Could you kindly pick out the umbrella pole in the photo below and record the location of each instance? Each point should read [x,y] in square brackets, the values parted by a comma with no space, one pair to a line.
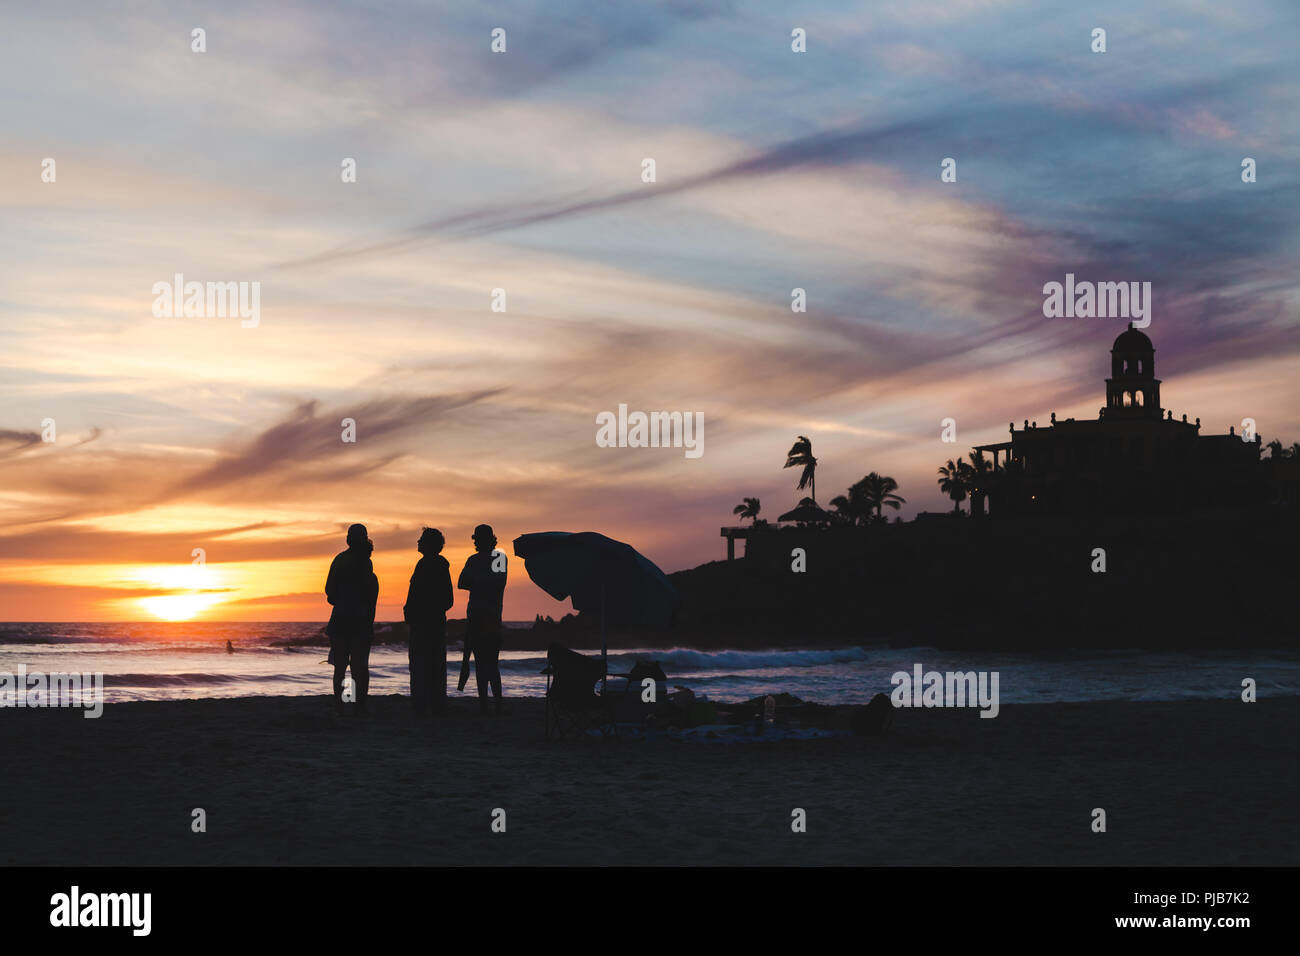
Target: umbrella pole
[604,652]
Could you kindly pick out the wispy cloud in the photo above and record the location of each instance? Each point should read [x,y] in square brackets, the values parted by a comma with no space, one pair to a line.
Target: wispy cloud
[520,171]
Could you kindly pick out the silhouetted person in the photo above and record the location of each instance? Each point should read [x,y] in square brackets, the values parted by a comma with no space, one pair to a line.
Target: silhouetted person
[486,586]
[427,601]
[230,648]
[353,589]
[874,719]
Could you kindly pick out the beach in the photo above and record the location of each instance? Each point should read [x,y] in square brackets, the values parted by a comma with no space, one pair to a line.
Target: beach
[282,781]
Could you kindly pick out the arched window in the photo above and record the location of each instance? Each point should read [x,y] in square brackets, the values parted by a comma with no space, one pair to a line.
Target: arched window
[1139,366]
[1124,368]
[1128,399]
[1139,398]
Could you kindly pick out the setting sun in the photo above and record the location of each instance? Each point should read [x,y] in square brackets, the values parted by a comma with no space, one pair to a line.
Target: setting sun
[178,607]
[193,590]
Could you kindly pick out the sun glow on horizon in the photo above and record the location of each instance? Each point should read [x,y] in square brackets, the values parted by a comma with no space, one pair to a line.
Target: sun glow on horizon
[193,586]
[178,607]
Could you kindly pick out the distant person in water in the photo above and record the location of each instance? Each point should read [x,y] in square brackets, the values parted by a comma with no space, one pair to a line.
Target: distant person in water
[484,577]
[230,648]
[353,589]
[428,599]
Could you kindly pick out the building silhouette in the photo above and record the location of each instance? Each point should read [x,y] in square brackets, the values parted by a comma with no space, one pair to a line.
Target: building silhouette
[1133,458]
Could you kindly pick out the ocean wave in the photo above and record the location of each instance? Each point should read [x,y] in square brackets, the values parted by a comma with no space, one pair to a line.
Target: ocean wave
[201,679]
[689,659]
[23,637]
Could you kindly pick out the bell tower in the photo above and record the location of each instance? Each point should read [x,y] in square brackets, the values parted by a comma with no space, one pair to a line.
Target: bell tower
[1133,391]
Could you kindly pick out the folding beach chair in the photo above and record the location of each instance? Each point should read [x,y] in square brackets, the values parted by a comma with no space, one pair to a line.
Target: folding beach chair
[572,703]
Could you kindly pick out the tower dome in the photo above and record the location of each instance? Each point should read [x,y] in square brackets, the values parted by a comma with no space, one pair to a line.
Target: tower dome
[1132,391]
[1132,340]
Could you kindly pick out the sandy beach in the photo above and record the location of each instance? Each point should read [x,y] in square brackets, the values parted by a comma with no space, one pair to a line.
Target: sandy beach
[283,782]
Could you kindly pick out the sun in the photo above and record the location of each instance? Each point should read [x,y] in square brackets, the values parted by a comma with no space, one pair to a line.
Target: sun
[189,591]
[178,607]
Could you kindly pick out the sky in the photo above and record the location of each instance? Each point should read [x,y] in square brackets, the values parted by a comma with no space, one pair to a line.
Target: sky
[522,171]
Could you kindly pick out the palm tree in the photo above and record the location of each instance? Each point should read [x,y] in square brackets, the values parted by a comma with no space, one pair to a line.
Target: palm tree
[867,498]
[847,510]
[748,508]
[953,482]
[1276,450]
[800,455]
[977,479]
[877,492]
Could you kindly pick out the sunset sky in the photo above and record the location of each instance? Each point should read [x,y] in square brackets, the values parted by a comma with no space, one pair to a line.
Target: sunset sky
[522,171]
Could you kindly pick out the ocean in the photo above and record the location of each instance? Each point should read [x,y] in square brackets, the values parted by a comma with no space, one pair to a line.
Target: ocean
[168,661]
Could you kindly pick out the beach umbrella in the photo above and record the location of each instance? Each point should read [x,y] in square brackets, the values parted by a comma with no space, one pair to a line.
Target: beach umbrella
[600,575]
[806,510]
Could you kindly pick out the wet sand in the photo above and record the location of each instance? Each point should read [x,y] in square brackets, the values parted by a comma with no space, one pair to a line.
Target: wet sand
[283,781]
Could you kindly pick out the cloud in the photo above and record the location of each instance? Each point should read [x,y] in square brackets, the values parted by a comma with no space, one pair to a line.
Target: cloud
[776,171]
[16,442]
[827,148]
[70,542]
[308,443]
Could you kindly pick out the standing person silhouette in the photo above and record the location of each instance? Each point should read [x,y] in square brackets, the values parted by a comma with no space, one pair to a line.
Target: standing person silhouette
[484,577]
[353,589]
[428,599]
